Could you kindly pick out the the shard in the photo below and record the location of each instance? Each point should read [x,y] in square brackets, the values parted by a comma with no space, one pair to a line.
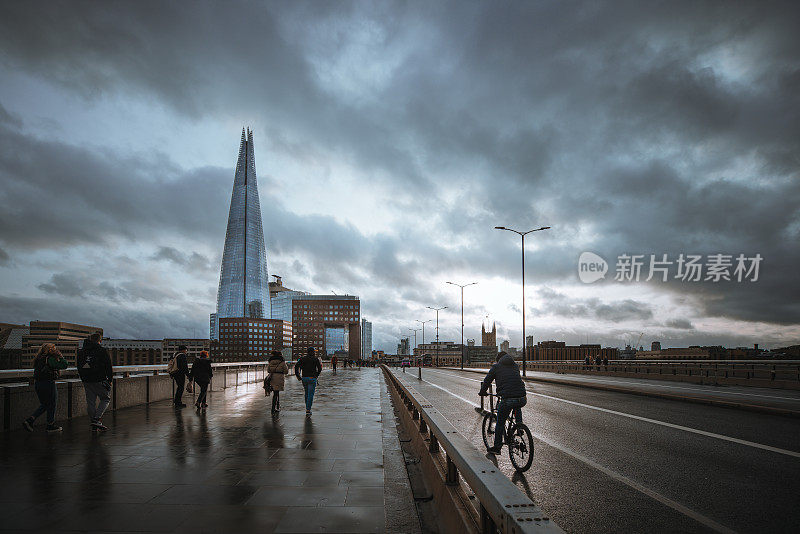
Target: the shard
[243,280]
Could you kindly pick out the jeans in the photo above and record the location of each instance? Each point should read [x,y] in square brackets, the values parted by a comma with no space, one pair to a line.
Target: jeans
[48,396]
[94,391]
[309,386]
[201,396]
[504,408]
[180,383]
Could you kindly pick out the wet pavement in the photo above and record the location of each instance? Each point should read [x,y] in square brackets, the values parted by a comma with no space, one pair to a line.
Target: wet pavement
[233,468]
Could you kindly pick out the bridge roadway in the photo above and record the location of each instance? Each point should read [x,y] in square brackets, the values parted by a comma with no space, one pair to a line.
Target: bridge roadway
[234,468]
[614,462]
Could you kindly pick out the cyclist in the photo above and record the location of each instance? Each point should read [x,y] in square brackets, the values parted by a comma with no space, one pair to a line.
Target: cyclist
[510,389]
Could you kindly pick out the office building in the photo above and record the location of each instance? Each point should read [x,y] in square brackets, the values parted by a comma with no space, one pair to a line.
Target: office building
[281,303]
[480,354]
[403,347]
[441,353]
[11,345]
[133,351]
[366,339]
[243,281]
[559,350]
[169,347]
[246,339]
[326,322]
[67,337]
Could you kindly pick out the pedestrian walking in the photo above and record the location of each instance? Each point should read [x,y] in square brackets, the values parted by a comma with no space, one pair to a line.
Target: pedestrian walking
[46,365]
[94,368]
[307,369]
[277,370]
[201,374]
[333,363]
[178,368]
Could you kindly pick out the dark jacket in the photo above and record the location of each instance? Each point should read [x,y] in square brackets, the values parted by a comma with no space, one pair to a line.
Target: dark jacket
[506,373]
[201,370]
[183,366]
[309,366]
[94,363]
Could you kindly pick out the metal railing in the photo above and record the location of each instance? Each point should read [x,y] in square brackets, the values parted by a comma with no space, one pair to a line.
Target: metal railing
[502,506]
[122,371]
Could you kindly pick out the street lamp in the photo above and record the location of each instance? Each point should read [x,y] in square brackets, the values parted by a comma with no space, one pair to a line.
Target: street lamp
[415,330]
[423,328]
[462,317]
[437,329]
[523,234]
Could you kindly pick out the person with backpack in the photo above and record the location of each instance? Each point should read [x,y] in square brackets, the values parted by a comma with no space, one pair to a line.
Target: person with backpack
[94,368]
[307,369]
[275,382]
[178,369]
[46,364]
[201,375]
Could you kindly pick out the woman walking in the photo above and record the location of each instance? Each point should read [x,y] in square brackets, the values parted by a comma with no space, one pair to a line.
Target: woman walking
[277,370]
[201,374]
[46,365]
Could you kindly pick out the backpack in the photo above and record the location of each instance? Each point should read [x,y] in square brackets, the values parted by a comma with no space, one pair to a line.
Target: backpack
[88,365]
[42,370]
[172,366]
[268,384]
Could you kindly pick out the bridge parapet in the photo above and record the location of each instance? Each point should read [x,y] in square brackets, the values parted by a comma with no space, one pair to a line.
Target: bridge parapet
[447,457]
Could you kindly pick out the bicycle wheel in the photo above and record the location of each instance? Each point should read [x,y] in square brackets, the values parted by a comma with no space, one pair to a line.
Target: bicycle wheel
[520,447]
[488,427]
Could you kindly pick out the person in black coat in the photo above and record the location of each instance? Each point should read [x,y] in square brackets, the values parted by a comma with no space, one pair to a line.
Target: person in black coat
[307,369]
[512,393]
[180,374]
[201,374]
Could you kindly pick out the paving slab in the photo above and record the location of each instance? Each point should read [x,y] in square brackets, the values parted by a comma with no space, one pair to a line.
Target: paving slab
[231,468]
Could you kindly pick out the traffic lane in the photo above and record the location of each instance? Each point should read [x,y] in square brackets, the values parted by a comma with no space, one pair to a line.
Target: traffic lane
[731,483]
[578,498]
[773,430]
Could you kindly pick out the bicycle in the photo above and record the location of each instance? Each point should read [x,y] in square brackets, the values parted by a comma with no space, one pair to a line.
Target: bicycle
[517,435]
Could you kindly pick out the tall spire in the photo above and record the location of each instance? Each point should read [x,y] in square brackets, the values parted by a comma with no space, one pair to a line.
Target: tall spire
[243,281]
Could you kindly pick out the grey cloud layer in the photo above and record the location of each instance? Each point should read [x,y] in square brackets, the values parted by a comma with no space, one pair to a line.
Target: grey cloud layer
[657,128]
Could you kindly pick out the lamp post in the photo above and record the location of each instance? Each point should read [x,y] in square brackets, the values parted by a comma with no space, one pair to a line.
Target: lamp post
[423,328]
[462,286]
[415,330]
[523,234]
[437,329]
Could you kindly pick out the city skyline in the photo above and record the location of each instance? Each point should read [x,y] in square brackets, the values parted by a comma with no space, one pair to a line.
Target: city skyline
[393,138]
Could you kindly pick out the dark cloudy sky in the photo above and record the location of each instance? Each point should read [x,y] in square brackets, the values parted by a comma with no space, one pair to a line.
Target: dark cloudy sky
[390,139]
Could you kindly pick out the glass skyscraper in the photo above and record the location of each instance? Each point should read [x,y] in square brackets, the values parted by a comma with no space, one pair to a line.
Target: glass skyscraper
[243,280]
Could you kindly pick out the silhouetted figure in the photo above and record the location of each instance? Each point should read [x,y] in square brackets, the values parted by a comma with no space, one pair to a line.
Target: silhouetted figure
[46,365]
[512,393]
[201,375]
[179,370]
[94,368]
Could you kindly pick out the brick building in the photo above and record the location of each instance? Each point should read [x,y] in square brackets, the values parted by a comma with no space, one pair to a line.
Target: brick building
[133,351]
[67,337]
[246,339]
[559,350]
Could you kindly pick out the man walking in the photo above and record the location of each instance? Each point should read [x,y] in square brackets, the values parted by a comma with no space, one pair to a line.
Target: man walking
[307,369]
[512,393]
[333,363]
[179,369]
[94,368]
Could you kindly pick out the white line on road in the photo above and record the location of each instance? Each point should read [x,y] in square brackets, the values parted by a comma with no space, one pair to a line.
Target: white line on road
[655,421]
[666,501]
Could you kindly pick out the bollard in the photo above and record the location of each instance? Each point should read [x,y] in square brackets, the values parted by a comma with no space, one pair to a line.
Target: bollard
[452,473]
[434,444]
[419,372]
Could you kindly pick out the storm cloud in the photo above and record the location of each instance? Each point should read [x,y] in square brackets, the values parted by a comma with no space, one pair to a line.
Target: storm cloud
[628,128]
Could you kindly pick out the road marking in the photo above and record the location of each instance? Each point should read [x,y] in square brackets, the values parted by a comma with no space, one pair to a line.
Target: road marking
[656,422]
[666,501]
[613,474]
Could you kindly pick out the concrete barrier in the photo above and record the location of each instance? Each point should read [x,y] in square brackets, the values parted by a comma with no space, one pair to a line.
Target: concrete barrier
[19,400]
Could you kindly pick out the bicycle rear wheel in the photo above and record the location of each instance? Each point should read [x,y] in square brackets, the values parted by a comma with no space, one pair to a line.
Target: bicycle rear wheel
[489,427]
[520,447]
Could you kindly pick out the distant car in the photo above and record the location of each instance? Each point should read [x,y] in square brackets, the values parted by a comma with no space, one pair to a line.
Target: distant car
[405,363]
